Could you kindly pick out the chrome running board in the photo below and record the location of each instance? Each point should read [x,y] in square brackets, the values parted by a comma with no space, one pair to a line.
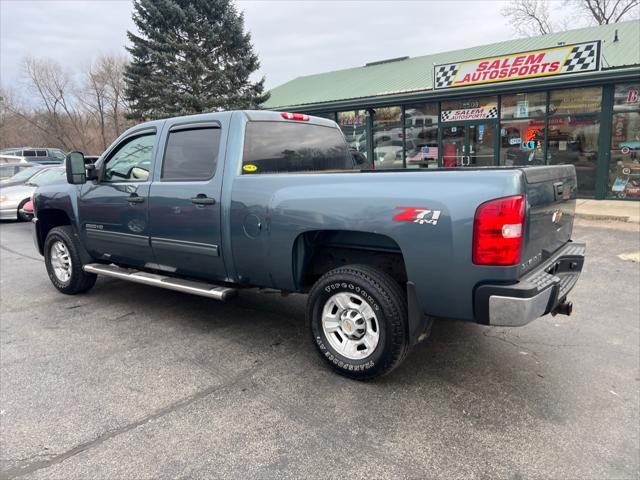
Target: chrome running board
[171,283]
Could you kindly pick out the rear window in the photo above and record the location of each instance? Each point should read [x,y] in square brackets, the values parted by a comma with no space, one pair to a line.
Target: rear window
[191,154]
[287,147]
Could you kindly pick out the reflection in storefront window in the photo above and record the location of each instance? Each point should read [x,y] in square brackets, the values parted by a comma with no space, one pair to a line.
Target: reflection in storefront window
[388,141]
[522,142]
[354,127]
[421,135]
[575,100]
[523,105]
[624,164]
[626,97]
[574,140]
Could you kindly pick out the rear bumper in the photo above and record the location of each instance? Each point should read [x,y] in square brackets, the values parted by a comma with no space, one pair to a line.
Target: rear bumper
[536,294]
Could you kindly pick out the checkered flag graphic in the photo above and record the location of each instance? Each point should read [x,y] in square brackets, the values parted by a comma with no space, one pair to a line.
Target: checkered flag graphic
[581,59]
[445,75]
[492,112]
[445,115]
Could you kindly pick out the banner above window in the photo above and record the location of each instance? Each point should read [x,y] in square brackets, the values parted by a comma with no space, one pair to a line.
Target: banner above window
[562,60]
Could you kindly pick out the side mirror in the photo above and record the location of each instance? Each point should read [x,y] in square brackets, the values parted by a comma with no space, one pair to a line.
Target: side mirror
[76,170]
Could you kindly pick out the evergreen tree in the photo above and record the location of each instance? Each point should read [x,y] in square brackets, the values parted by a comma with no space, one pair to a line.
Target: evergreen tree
[191,56]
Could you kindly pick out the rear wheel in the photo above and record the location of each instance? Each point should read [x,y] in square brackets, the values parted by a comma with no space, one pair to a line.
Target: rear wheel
[64,266]
[358,319]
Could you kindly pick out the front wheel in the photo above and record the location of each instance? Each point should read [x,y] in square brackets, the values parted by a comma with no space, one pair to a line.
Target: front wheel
[21,215]
[358,318]
[63,262]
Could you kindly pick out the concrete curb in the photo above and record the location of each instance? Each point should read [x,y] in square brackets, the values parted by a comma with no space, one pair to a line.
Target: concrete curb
[604,218]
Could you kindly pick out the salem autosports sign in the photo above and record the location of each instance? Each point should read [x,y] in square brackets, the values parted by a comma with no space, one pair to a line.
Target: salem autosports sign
[561,60]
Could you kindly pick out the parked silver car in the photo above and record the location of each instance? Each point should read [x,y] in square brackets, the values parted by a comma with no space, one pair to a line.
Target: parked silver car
[21,175]
[13,198]
[8,170]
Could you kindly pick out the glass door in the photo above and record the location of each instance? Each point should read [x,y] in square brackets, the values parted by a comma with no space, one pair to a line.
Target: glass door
[468,145]
[480,145]
[454,149]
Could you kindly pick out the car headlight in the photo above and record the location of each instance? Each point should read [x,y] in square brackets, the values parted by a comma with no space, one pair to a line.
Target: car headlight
[3,198]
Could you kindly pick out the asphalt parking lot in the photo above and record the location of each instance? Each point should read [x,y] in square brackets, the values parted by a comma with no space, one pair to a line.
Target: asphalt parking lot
[129,381]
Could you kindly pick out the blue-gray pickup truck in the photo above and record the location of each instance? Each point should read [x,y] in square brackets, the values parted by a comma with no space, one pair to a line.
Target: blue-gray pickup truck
[213,203]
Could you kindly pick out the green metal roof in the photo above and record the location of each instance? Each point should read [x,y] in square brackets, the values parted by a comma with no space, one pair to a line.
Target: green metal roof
[410,75]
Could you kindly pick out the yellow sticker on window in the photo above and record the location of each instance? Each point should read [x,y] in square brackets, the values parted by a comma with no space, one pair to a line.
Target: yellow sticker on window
[249,168]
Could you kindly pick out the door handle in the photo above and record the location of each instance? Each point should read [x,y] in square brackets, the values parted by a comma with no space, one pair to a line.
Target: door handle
[202,199]
[134,198]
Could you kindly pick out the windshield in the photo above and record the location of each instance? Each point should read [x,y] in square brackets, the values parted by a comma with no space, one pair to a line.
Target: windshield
[47,175]
[24,175]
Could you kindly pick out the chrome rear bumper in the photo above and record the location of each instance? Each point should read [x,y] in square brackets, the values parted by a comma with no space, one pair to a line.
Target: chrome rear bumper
[536,294]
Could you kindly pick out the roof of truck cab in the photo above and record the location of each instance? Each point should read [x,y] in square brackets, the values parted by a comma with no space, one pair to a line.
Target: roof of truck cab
[407,75]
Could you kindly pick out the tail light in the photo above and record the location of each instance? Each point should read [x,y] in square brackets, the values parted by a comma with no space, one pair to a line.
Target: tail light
[295,116]
[497,231]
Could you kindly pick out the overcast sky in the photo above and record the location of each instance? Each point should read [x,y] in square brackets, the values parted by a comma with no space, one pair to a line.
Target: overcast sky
[292,38]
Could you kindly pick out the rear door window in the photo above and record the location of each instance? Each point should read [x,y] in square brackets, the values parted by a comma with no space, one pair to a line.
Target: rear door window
[191,154]
[288,147]
[41,153]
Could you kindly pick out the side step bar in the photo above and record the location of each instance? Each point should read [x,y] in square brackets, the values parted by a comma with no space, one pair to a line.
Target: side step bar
[171,283]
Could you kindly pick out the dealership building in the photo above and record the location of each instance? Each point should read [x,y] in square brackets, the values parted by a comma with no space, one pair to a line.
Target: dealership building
[569,97]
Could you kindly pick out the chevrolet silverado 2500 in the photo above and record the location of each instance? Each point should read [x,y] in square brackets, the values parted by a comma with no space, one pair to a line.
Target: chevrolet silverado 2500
[213,203]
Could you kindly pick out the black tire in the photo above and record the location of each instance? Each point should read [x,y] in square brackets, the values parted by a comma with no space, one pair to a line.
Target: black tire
[388,302]
[21,216]
[79,281]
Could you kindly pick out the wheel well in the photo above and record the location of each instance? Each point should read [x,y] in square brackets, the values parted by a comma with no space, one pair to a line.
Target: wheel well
[48,219]
[317,252]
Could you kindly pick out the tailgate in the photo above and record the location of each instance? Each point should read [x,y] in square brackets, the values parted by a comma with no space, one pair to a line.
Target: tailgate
[551,196]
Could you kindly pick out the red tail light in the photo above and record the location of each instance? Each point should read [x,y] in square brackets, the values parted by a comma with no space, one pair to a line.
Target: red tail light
[497,231]
[295,116]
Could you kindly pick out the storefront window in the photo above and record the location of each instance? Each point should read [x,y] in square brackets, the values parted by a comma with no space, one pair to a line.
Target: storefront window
[624,163]
[523,105]
[354,127]
[574,140]
[421,135]
[388,139]
[573,101]
[328,115]
[626,97]
[522,142]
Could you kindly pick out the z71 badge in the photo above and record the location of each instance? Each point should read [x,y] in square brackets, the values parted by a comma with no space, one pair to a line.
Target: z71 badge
[421,216]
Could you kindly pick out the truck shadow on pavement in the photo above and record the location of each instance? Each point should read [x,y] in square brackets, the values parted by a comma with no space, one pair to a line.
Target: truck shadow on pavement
[482,371]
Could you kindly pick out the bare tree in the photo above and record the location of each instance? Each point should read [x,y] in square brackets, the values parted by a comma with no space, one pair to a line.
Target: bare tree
[607,11]
[534,17]
[56,98]
[529,17]
[103,96]
[94,97]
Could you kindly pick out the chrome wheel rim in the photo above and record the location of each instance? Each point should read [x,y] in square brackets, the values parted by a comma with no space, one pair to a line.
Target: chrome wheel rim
[350,325]
[61,261]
